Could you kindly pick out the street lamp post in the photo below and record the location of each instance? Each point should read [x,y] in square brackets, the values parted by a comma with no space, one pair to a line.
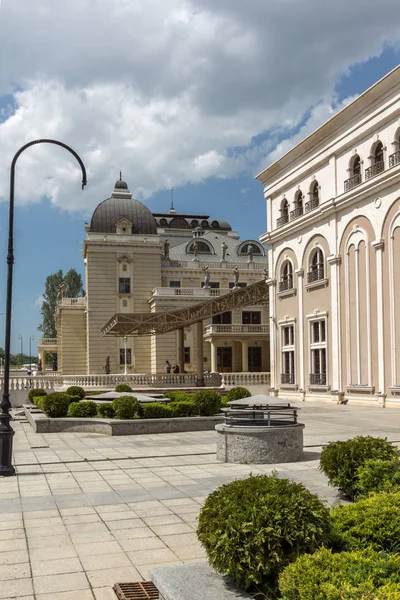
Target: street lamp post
[6,431]
[22,349]
[125,357]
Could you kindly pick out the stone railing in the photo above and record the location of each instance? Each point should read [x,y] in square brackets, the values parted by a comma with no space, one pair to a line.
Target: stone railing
[140,380]
[72,302]
[198,292]
[25,383]
[235,329]
[47,342]
[233,379]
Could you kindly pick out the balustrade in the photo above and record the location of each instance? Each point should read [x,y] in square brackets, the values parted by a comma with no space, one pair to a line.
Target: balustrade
[317,378]
[394,159]
[374,169]
[286,284]
[215,329]
[352,182]
[282,221]
[313,203]
[296,213]
[287,378]
[247,378]
[315,275]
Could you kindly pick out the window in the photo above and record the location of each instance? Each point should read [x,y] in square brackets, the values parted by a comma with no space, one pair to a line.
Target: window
[124,285]
[187,354]
[298,206]
[355,173]
[214,285]
[174,284]
[314,197]
[202,248]
[394,159]
[122,356]
[288,368]
[377,165]
[284,210]
[251,318]
[240,284]
[317,268]
[318,352]
[224,318]
[245,248]
[286,282]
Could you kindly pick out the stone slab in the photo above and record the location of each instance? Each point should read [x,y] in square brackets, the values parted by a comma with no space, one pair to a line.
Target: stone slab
[194,581]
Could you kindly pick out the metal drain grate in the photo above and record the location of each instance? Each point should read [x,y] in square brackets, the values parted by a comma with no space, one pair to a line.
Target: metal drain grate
[142,590]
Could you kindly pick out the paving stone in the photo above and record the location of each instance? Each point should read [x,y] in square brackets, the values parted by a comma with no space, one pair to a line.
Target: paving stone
[12,558]
[98,548]
[16,587]
[156,555]
[105,561]
[75,595]
[17,571]
[109,577]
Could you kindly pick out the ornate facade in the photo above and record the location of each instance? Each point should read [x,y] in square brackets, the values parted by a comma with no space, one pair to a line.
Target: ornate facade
[333,210]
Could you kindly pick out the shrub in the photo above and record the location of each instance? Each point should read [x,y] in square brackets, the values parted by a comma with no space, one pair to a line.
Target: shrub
[75,399]
[340,461]
[237,393]
[37,401]
[252,528]
[182,409]
[207,402]
[35,393]
[372,522]
[106,410]
[126,407]
[365,575]
[123,387]
[76,390]
[155,410]
[378,476]
[55,405]
[82,409]
[178,396]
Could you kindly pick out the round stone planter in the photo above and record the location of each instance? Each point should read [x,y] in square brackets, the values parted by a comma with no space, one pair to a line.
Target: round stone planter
[260,445]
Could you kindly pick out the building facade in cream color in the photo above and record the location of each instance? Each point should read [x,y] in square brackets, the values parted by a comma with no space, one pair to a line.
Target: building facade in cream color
[333,211]
[139,262]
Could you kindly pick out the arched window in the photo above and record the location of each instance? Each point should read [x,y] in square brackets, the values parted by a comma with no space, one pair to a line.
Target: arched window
[317,266]
[245,248]
[394,159]
[314,197]
[298,206]
[202,248]
[286,282]
[377,164]
[284,210]
[354,171]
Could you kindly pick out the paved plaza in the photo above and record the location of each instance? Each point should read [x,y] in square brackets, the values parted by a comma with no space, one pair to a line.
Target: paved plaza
[87,511]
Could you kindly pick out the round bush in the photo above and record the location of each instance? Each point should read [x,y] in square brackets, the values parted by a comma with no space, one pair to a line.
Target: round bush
[207,402]
[55,405]
[237,393]
[82,410]
[106,410]
[365,575]
[76,390]
[35,393]
[123,387]
[126,407]
[155,410]
[340,461]
[178,396]
[182,409]
[378,476]
[372,522]
[252,528]
[38,401]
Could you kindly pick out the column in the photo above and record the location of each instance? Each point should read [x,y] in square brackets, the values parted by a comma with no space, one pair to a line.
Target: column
[44,361]
[379,247]
[245,356]
[213,357]
[335,347]
[300,334]
[181,349]
[199,357]
[272,333]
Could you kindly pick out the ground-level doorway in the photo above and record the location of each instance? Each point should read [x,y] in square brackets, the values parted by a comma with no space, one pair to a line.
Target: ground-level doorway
[255,358]
[224,359]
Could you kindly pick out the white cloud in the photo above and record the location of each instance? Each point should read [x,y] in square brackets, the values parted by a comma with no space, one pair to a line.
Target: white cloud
[169,91]
[39,301]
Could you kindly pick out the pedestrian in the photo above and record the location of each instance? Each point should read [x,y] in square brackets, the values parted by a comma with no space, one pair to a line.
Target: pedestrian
[176,369]
[168,366]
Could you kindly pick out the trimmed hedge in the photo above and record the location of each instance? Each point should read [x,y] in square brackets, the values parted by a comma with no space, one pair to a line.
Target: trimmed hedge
[123,387]
[155,410]
[340,461]
[179,396]
[106,410]
[207,402]
[365,575]
[126,407]
[182,409]
[55,405]
[82,409]
[252,528]
[373,522]
[35,393]
[378,476]
[76,391]
[237,393]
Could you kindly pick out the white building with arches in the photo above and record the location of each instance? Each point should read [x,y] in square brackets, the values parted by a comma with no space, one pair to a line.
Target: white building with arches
[333,211]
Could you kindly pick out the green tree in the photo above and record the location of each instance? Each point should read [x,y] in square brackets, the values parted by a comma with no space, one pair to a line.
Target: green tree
[73,285]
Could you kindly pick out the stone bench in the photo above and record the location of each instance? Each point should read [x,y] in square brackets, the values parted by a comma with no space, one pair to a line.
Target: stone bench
[194,581]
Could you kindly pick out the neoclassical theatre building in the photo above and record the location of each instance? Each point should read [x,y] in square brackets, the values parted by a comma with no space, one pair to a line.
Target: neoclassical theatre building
[139,262]
[333,211]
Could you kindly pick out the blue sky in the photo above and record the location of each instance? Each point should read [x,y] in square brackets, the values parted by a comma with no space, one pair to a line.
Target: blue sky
[204,130]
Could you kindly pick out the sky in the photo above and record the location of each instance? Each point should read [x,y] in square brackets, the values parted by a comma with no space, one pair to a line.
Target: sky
[194,95]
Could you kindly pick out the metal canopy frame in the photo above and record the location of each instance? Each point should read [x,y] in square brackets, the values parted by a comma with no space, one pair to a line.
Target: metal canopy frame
[139,324]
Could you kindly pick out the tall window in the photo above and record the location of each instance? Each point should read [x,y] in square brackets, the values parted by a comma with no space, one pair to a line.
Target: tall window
[318,352]
[377,164]
[122,356]
[224,318]
[356,167]
[187,354]
[284,210]
[314,197]
[317,267]
[174,284]
[286,282]
[288,366]
[298,205]
[202,248]
[124,285]
[394,159]
[251,317]
[355,177]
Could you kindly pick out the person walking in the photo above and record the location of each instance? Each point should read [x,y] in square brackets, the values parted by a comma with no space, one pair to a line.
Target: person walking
[168,366]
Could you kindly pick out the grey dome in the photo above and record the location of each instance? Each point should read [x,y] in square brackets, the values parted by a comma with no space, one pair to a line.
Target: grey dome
[122,205]
[121,185]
